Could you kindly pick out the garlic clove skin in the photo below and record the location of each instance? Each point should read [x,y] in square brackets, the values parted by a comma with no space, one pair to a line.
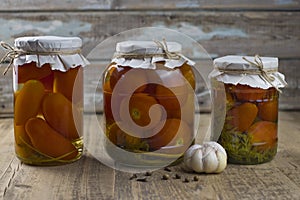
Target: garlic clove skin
[210,160]
[222,158]
[188,155]
[216,146]
[196,161]
[185,168]
[221,155]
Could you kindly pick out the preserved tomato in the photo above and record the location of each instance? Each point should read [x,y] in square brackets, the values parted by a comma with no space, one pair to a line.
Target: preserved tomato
[250,130]
[69,83]
[242,116]
[140,104]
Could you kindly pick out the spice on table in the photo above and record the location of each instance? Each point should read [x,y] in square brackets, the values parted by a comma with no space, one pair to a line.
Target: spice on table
[186,180]
[148,173]
[177,176]
[196,178]
[134,176]
[167,169]
[144,179]
[165,177]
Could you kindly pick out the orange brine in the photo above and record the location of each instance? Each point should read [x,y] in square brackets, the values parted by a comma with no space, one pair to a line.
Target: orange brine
[48,107]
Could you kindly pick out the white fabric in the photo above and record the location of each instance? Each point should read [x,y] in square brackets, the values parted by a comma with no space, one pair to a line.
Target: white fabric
[238,63]
[148,47]
[61,62]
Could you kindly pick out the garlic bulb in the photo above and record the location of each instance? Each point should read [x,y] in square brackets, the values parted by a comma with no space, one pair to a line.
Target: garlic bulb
[210,157]
[188,156]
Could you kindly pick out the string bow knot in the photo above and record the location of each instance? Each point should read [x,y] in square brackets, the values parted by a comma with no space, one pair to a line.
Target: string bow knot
[259,64]
[162,45]
[265,75]
[11,54]
[170,55]
[14,53]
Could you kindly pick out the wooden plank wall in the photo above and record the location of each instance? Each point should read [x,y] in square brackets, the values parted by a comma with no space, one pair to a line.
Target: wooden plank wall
[269,28]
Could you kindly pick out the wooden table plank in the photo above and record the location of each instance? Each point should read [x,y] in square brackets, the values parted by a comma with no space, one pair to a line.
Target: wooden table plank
[9,165]
[220,33]
[89,179]
[38,5]
[85,179]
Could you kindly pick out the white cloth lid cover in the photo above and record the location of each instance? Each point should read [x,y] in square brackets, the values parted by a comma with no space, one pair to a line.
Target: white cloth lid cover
[148,47]
[233,62]
[237,62]
[44,44]
[142,46]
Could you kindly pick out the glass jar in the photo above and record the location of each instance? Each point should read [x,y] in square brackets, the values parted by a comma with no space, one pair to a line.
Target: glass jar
[249,90]
[148,97]
[48,99]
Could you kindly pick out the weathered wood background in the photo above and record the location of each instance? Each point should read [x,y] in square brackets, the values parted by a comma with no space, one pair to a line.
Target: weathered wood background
[269,28]
[89,179]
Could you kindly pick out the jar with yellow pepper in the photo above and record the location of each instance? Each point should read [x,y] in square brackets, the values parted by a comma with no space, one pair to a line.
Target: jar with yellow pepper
[48,99]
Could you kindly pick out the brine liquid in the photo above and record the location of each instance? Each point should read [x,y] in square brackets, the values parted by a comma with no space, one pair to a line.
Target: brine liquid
[171,136]
[249,134]
[48,120]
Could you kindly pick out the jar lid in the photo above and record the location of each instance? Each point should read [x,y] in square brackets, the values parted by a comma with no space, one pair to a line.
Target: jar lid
[238,62]
[62,53]
[259,72]
[144,54]
[144,47]
[48,43]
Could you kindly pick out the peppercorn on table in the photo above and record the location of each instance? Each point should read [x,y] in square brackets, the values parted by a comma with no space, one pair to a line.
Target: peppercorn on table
[87,178]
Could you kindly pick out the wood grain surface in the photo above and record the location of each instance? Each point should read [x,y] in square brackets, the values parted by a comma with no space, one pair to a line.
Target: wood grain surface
[89,179]
[267,28]
[38,5]
[220,33]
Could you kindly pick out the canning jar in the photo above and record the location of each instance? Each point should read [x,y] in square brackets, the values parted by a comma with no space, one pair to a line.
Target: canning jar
[246,90]
[148,97]
[48,99]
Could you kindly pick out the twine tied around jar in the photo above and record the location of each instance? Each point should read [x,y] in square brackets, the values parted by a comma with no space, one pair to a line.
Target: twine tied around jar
[14,53]
[264,74]
[11,54]
[162,45]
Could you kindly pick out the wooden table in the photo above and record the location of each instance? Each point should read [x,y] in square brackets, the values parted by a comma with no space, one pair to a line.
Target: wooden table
[89,179]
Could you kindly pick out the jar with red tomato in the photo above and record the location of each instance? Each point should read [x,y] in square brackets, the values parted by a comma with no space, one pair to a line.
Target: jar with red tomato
[48,99]
[148,97]
[247,89]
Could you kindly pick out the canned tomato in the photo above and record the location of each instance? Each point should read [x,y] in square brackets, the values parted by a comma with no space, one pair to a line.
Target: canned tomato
[148,97]
[248,87]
